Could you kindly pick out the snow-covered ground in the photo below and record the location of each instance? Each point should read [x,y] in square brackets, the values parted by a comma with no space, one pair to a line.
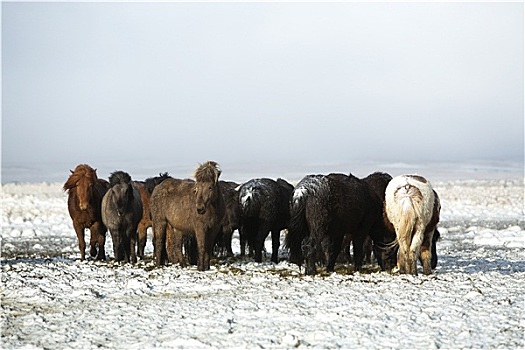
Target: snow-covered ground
[474,299]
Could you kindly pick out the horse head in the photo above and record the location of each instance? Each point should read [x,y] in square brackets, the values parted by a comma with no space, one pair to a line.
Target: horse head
[122,197]
[206,185]
[122,189]
[83,180]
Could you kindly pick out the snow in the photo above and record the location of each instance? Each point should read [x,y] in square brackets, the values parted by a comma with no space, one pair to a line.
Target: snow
[474,299]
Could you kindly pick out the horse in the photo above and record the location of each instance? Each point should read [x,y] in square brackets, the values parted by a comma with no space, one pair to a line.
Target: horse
[230,222]
[85,192]
[121,213]
[194,208]
[377,182]
[146,188]
[264,208]
[231,219]
[412,208]
[326,207]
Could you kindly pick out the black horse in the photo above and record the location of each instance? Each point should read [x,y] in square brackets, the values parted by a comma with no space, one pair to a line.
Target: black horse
[377,182]
[121,213]
[326,207]
[231,220]
[264,207]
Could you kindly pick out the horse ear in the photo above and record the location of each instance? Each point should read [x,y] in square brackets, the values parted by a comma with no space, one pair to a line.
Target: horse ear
[72,172]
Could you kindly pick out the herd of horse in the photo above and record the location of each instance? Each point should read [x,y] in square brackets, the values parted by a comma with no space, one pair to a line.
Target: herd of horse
[322,216]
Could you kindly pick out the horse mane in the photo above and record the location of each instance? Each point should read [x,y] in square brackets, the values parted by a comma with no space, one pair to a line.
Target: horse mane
[118,177]
[82,170]
[208,172]
[151,182]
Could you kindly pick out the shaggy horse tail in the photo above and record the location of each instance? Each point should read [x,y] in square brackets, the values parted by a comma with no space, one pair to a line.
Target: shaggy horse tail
[297,226]
[249,200]
[409,202]
[310,187]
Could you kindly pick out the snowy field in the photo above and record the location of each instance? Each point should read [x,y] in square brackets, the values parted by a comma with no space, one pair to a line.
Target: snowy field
[474,299]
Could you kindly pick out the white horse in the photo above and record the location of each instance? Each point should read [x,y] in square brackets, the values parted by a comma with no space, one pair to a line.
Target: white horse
[412,207]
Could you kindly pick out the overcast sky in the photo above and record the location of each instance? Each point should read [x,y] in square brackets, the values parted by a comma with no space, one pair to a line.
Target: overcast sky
[296,83]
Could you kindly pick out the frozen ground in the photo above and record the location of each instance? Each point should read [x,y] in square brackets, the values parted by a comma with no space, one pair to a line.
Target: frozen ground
[474,299]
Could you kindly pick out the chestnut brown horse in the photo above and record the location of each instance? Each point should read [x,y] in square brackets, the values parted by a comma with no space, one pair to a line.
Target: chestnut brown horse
[85,192]
[191,208]
[146,188]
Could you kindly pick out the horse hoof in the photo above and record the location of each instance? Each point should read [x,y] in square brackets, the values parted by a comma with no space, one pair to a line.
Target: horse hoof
[311,272]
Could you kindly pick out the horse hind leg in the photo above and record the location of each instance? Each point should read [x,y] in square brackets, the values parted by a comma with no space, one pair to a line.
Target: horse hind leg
[415,248]
[276,241]
[402,257]
[310,255]
[228,242]
[359,250]
[242,239]
[368,247]
[426,256]
[311,247]
[258,243]
[334,248]
[159,241]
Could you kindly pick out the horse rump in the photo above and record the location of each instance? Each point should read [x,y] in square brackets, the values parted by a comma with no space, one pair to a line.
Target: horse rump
[412,208]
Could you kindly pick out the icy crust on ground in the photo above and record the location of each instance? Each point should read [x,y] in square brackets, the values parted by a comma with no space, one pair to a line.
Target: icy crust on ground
[481,201]
[474,299]
[82,305]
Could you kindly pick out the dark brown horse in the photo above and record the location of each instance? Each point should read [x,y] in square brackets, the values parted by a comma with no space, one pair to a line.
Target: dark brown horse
[85,192]
[192,208]
[377,182]
[231,219]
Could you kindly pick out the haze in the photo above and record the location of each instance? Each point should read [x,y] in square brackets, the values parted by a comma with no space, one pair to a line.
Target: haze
[244,83]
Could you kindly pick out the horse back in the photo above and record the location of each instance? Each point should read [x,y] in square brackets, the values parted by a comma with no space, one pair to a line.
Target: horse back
[349,200]
[259,199]
[174,200]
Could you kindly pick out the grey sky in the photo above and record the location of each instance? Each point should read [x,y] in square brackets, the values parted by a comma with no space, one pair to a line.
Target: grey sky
[247,82]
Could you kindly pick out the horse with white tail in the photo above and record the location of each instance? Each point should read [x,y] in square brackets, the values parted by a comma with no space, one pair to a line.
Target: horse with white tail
[412,207]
